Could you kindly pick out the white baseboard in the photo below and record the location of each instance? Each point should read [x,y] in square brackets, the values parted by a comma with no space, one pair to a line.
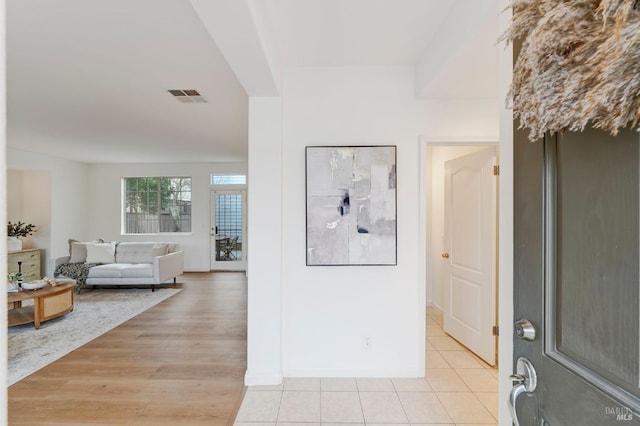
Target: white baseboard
[392,373]
[251,379]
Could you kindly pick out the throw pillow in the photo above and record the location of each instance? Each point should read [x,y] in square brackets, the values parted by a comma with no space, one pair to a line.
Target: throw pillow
[77,251]
[159,249]
[101,252]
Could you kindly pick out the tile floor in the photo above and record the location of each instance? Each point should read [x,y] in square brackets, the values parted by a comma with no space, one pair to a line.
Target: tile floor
[459,389]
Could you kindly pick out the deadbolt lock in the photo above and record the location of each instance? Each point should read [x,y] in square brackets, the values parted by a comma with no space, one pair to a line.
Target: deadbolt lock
[525,330]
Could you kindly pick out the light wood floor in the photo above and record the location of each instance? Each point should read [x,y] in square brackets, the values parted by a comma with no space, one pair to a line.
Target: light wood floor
[181,362]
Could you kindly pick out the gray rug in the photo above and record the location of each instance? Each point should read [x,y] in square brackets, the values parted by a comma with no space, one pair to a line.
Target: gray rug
[95,312]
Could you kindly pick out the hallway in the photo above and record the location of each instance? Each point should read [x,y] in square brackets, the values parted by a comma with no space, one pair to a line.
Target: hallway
[459,389]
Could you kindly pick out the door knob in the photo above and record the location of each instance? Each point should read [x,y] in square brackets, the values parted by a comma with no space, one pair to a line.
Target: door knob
[445,255]
[525,381]
[525,330]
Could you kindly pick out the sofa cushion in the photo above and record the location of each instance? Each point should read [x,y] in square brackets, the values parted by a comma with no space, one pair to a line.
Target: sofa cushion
[110,270]
[138,270]
[140,252]
[122,270]
[101,252]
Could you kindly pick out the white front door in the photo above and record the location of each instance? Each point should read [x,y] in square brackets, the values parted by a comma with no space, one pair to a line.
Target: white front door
[228,230]
[470,252]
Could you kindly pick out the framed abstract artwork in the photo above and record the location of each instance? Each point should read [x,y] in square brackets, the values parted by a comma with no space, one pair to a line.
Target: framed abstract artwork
[351,205]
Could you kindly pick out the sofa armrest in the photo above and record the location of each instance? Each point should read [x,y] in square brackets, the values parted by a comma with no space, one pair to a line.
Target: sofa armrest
[54,263]
[168,266]
[60,261]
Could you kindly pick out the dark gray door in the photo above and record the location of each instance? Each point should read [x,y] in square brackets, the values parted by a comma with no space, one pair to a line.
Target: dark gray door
[576,278]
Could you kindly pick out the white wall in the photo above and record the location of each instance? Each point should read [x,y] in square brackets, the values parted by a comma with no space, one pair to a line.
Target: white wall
[85,202]
[54,198]
[105,205]
[15,194]
[36,187]
[3,214]
[264,319]
[328,311]
[435,163]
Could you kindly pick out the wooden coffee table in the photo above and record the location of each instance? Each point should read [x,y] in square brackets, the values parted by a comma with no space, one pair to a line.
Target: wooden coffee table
[48,302]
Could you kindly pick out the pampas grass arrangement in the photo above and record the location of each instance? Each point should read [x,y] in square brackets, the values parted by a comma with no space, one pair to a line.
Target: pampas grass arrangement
[579,64]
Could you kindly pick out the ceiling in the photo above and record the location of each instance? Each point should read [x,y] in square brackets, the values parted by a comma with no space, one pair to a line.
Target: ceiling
[354,32]
[88,80]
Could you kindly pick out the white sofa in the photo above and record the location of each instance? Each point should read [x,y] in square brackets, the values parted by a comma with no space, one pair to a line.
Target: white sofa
[125,263]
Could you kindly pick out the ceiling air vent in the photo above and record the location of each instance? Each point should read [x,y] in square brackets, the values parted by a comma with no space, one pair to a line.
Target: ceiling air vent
[187,95]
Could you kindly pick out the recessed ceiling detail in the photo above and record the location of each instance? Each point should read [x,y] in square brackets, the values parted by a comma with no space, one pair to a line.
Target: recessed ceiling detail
[187,95]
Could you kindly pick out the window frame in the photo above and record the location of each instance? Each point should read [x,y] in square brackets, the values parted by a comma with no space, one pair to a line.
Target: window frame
[158,219]
[213,176]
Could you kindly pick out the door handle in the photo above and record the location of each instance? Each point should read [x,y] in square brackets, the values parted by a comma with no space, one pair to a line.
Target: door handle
[445,255]
[525,381]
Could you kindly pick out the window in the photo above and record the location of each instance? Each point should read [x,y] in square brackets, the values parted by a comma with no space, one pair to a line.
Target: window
[229,179]
[155,205]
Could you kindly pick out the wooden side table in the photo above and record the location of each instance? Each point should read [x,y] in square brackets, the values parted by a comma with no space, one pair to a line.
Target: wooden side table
[48,302]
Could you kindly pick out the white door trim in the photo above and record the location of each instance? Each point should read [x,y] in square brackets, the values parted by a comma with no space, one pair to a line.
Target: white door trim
[424,202]
[424,188]
[505,214]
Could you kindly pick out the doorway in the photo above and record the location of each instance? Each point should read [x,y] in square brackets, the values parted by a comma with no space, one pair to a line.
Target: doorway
[438,245]
[228,230]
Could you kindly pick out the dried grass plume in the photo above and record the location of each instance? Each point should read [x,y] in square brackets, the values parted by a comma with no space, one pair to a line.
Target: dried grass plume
[579,64]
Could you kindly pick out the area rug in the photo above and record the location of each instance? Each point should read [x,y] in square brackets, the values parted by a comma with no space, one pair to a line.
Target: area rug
[95,312]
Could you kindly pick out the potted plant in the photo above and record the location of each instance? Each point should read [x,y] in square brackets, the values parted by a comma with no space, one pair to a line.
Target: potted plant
[15,230]
[14,280]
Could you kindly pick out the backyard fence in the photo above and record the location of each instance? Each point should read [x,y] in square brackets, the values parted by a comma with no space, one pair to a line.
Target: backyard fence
[146,223]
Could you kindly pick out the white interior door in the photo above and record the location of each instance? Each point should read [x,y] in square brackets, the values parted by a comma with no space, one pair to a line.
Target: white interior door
[228,230]
[470,252]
